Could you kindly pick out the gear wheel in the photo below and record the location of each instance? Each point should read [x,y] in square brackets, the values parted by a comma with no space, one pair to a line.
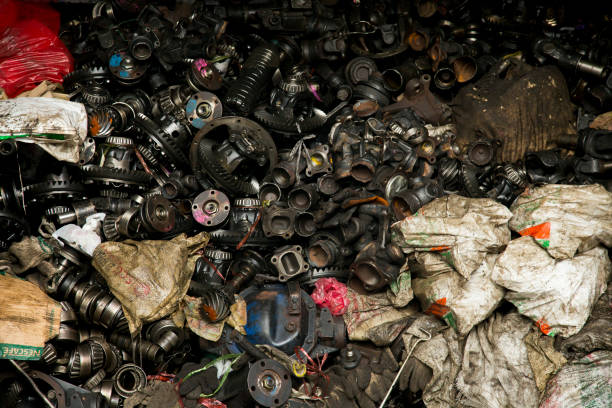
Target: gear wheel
[232,238]
[285,123]
[469,175]
[109,175]
[53,189]
[205,161]
[165,138]
[57,210]
[74,79]
[113,193]
[13,229]
[109,228]
[309,277]
[95,95]
[100,123]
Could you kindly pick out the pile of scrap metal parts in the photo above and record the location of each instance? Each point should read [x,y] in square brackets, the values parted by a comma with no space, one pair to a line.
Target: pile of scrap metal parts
[294,133]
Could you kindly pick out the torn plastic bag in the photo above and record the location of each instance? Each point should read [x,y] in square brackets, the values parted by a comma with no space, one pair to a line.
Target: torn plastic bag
[565,219]
[373,317]
[443,355]
[495,371]
[471,301]
[468,228]
[584,383]
[557,295]
[29,318]
[544,359]
[596,333]
[29,54]
[58,127]
[149,277]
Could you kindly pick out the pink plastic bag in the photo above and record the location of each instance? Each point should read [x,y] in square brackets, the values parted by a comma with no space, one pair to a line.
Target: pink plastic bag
[30,50]
[331,294]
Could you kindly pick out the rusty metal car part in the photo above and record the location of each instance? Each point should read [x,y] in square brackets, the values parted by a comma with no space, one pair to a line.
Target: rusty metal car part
[481,152]
[165,334]
[303,197]
[278,221]
[126,69]
[211,208]
[285,172]
[245,266]
[289,262]
[203,75]
[269,191]
[305,224]
[227,149]
[167,140]
[129,379]
[407,202]
[269,383]
[375,267]
[157,214]
[419,98]
[138,346]
[201,108]
[324,250]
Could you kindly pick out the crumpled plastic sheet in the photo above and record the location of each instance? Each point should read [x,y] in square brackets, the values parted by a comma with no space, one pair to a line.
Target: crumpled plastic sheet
[149,277]
[543,357]
[465,229]
[59,127]
[495,370]
[557,294]
[584,383]
[471,301]
[373,317]
[565,219]
[331,294]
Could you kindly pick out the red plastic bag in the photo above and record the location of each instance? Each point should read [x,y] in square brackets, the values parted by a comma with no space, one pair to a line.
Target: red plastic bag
[331,294]
[30,52]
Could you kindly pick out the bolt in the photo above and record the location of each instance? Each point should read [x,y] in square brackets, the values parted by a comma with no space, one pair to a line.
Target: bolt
[211,207]
[51,394]
[290,326]
[268,382]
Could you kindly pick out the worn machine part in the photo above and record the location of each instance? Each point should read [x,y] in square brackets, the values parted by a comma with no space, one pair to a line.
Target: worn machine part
[129,379]
[203,76]
[157,214]
[269,383]
[223,148]
[323,250]
[375,267]
[211,208]
[313,274]
[318,160]
[201,108]
[149,350]
[419,98]
[247,264]
[269,191]
[171,101]
[285,172]
[213,266]
[67,395]
[289,262]
[125,69]
[303,197]
[165,334]
[540,111]
[167,138]
[481,152]
[407,202]
[305,225]
[14,228]
[254,77]
[278,221]
[111,176]
[449,173]
[326,184]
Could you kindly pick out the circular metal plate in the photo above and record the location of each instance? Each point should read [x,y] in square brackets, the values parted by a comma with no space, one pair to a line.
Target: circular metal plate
[210,208]
[201,108]
[269,383]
